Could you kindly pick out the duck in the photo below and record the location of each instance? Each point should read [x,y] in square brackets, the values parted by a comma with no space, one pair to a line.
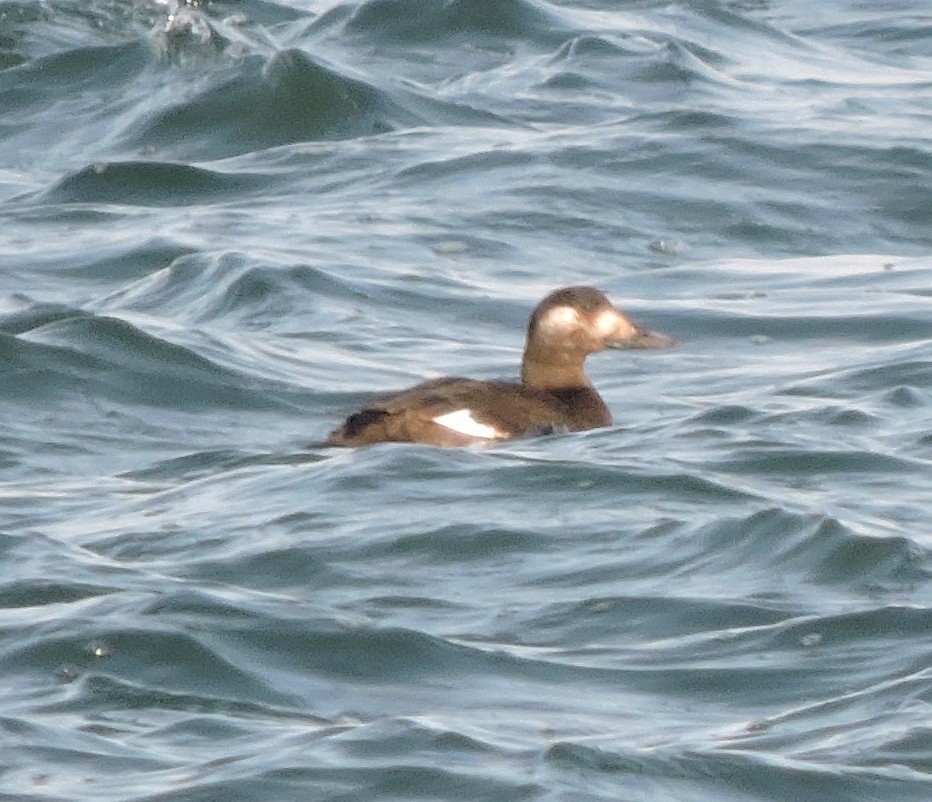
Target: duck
[554,394]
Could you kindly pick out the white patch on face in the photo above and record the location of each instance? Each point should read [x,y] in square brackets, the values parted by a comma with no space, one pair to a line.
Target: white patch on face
[463,422]
[611,323]
[560,319]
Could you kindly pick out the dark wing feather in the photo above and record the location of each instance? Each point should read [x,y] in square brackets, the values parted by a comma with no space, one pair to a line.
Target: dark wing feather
[409,416]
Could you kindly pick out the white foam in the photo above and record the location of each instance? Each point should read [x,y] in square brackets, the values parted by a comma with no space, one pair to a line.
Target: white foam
[463,422]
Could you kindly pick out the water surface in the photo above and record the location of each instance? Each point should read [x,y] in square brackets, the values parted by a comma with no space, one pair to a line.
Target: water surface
[226,225]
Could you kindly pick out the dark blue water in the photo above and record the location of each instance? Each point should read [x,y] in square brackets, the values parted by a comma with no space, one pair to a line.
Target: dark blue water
[225,225]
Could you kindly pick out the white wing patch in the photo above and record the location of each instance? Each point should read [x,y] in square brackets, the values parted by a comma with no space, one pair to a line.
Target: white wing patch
[463,422]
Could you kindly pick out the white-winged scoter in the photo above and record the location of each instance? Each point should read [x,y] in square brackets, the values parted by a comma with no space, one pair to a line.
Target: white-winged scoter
[554,394]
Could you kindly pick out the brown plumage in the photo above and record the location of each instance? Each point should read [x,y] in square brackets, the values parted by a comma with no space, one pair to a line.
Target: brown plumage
[554,394]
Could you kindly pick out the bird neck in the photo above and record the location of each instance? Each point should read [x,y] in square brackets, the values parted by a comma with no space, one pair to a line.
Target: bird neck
[548,371]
